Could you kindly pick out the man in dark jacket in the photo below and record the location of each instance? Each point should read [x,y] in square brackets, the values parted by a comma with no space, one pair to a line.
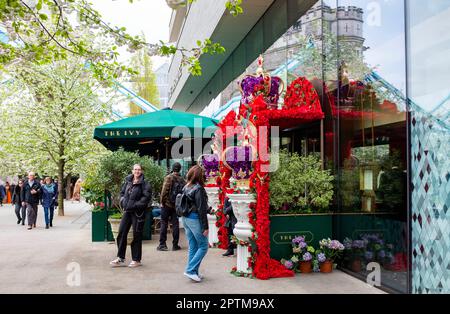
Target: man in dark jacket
[231,222]
[135,197]
[30,198]
[17,201]
[173,184]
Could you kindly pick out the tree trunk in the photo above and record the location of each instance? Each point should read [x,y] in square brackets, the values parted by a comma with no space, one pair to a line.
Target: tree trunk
[61,165]
[68,187]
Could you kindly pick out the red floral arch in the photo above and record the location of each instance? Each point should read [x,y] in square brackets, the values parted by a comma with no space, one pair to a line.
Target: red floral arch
[301,105]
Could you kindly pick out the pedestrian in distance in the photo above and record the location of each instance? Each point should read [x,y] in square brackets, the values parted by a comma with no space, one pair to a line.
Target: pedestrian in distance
[21,211]
[172,186]
[8,196]
[2,193]
[49,196]
[135,198]
[195,220]
[30,198]
[55,181]
[77,191]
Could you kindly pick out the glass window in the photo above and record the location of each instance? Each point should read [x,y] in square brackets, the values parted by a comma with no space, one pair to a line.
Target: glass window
[369,112]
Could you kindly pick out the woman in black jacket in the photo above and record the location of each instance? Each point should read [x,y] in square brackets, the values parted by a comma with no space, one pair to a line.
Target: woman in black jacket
[196,222]
[135,197]
[17,201]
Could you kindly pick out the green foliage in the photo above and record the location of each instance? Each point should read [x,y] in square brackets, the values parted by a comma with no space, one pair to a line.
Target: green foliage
[300,183]
[115,166]
[59,102]
[144,81]
[48,33]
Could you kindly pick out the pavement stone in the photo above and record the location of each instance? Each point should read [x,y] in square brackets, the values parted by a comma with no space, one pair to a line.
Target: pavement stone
[39,261]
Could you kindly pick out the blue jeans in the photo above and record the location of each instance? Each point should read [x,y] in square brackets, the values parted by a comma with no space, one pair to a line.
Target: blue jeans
[198,244]
[48,214]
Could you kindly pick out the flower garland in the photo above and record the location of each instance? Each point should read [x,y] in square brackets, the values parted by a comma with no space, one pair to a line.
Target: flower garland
[302,105]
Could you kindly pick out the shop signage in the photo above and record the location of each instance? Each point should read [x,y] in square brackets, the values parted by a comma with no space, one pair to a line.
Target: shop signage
[287,237]
[122,133]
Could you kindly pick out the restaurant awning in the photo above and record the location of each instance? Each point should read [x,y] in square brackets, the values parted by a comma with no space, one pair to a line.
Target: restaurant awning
[159,124]
[150,133]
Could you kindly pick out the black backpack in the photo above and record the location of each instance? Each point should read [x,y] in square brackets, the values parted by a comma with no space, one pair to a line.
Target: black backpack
[177,188]
[183,205]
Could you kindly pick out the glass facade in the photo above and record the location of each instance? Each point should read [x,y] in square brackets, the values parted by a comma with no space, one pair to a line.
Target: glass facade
[380,68]
[429,93]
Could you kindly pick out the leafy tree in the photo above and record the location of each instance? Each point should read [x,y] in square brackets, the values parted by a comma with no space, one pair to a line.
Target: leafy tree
[144,83]
[45,30]
[50,114]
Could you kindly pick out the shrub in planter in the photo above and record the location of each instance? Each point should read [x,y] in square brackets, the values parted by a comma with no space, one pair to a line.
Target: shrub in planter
[300,185]
[115,166]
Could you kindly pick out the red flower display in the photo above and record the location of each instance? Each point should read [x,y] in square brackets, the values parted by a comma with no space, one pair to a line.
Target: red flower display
[301,106]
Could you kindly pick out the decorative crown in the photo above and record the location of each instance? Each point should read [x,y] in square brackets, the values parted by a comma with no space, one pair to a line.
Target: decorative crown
[252,86]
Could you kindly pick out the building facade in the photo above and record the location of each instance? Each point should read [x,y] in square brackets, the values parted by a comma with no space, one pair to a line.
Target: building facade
[379,69]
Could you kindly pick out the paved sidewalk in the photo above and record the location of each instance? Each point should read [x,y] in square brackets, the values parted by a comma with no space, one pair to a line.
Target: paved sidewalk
[36,261]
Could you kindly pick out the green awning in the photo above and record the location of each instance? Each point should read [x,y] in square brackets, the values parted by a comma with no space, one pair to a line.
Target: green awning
[156,125]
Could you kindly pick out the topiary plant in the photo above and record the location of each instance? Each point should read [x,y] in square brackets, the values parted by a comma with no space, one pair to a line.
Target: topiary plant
[300,183]
[114,167]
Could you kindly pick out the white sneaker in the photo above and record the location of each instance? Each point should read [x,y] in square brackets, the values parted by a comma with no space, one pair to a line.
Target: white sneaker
[118,262]
[200,276]
[194,277]
[135,264]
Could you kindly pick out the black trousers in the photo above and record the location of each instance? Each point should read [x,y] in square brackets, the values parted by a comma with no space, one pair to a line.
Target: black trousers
[19,209]
[137,221]
[169,215]
[231,245]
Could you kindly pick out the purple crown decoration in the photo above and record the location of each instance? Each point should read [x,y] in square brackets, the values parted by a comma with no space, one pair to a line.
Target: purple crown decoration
[261,83]
[210,162]
[239,160]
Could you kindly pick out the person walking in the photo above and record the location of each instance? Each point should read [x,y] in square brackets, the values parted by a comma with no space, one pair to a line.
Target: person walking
[135,197]
[8,196]
[55,181]
[30,198]
[17,201]
[2,193]
[229,224]
[196,222]
[76,196]
[48,197]
[172,186]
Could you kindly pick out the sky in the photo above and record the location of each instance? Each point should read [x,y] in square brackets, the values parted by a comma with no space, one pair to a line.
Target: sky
[151,17]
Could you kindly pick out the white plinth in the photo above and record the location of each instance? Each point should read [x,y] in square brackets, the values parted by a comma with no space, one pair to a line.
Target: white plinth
[243,229]
[213,200]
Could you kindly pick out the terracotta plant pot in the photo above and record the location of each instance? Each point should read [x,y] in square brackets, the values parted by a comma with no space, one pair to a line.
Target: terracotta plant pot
[305,267]
[326,267]
[355,265]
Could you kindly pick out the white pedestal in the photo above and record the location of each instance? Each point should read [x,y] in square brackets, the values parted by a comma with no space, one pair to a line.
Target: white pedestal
[213,200]
[243,229]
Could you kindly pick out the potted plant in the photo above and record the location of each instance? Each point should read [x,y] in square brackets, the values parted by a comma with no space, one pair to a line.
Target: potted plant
[300,185]
[329,251]
[302,254]
[358,249]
